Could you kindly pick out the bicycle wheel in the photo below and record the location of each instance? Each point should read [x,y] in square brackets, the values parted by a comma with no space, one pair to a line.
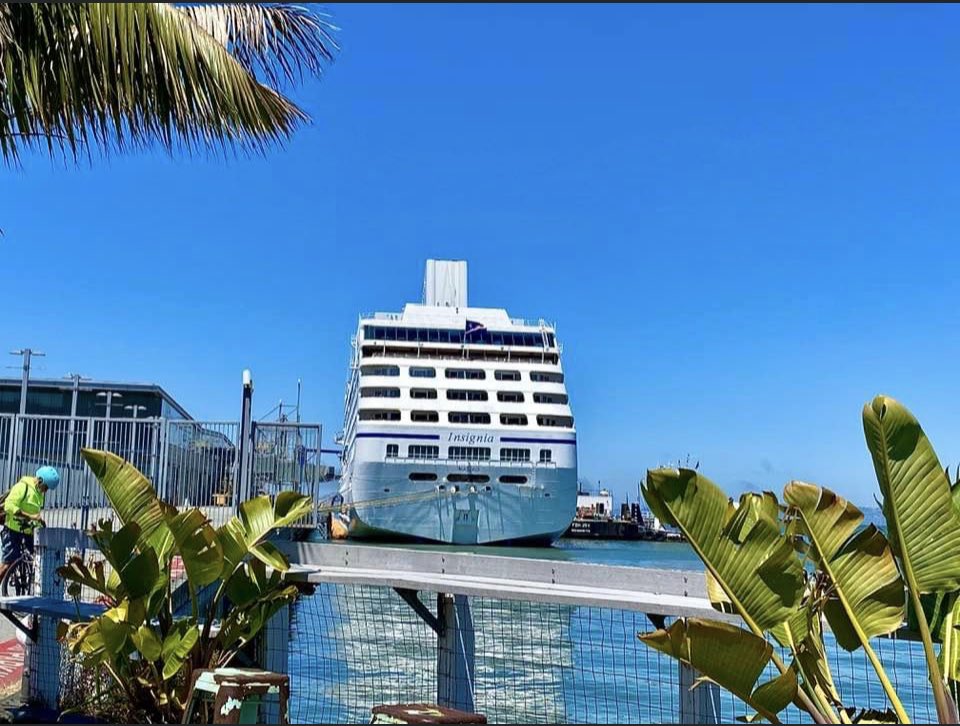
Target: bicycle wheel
[18,579]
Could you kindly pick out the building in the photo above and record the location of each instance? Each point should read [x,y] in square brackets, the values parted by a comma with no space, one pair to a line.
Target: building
[54,397]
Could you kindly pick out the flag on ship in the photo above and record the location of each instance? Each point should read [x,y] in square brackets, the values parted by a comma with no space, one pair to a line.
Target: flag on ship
[474,327]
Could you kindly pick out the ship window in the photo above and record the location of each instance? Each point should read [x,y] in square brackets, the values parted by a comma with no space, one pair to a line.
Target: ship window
[560,398]
[378,392]
[513,479]
[468,417]
[513,419]
[468,478]
[510,397]
[423,372]
[514,454]
[378,414]
[563,422]
[466,374]
[507,375]
[469,453]
[422,451]
[546,455]
[380,370]
[423,393]
[461,395]
[422,476]
[393,451]
[546,377]
[424,416]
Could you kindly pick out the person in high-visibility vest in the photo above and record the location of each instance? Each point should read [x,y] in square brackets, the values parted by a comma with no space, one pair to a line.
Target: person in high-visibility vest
[22,507]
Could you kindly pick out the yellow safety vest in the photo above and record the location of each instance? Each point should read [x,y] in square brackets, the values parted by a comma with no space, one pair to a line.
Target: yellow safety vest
[25,497]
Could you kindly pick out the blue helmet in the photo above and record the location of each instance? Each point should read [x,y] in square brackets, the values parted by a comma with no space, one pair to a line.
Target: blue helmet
[49,476]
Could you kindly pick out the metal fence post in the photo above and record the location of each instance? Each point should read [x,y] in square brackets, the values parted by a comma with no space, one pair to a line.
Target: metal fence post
[699,703]
[455,653]
[246,440]
[42,658]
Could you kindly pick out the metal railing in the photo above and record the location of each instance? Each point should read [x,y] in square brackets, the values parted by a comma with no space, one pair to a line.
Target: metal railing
[190,463]
[522,641]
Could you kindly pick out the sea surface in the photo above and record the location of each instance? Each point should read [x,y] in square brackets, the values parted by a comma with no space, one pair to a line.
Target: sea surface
[355,647]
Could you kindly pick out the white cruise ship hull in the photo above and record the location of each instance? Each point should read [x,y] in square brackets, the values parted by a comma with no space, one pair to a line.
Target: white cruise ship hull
[383,503]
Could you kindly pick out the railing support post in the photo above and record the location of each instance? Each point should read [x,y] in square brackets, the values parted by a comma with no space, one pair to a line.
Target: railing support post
[455,653]
[699,703]
[275,645]
[42,658]
[245,453]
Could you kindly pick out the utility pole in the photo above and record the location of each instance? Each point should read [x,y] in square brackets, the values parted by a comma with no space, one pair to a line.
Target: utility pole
[26,354]
[299,389]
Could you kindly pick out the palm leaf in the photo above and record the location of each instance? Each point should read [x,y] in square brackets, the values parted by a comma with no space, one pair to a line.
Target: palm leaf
[743,547]
[923,525]
[198,545]
[731,657]
[78,77]
[866,595]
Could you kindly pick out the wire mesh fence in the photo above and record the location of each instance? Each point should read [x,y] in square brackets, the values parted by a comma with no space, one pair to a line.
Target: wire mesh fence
[356,647]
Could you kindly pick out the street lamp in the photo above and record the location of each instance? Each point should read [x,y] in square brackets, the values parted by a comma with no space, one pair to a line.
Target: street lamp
[109,396]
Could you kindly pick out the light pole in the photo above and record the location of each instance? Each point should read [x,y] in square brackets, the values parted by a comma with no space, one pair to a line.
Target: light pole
[76,378]
[26,354]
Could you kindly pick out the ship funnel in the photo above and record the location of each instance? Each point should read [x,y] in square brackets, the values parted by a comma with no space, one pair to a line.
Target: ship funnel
[445,283]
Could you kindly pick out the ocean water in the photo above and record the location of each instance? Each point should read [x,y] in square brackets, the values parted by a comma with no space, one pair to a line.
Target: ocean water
[355,647]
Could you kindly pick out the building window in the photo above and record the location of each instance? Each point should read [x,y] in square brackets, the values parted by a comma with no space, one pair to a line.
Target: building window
[468,417]
[466,374]
[422,476]
[513,479]
[462,395]
[562,422]
[378,414]
[423,372]
[514,454]
[513,419]
[546,377]
[423,451]
[507,375]
[378,392]
[510,397]
[424,416]
[546,456]
[380,370]
[468,478]
[393,451]
[560,398]
[469,453]
[423,393]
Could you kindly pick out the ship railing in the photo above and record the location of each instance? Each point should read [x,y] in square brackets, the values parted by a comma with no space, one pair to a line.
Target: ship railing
[538,640]
[465,464]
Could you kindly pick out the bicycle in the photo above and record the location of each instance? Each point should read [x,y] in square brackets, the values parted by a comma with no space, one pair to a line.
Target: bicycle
[19,578]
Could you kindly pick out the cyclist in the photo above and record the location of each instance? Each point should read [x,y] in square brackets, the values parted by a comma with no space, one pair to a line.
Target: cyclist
[22,507]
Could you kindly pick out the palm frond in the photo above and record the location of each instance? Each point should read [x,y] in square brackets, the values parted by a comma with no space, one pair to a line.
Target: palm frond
[277,42]
[77,77]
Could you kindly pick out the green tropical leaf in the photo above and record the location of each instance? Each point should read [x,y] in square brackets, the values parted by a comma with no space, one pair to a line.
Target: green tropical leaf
[743,547]
[132,497]
[269,555]
[177,646]
[113,76]
[867,597]
[198,545]
[923,525]
[146,641]
[731,657]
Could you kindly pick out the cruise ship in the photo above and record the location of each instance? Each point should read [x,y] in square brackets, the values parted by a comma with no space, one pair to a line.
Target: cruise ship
[457,425]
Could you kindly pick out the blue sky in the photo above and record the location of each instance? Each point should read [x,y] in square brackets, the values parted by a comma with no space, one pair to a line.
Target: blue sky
[743,220]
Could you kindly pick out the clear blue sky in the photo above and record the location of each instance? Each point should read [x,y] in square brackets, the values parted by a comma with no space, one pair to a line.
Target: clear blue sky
[743,219]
